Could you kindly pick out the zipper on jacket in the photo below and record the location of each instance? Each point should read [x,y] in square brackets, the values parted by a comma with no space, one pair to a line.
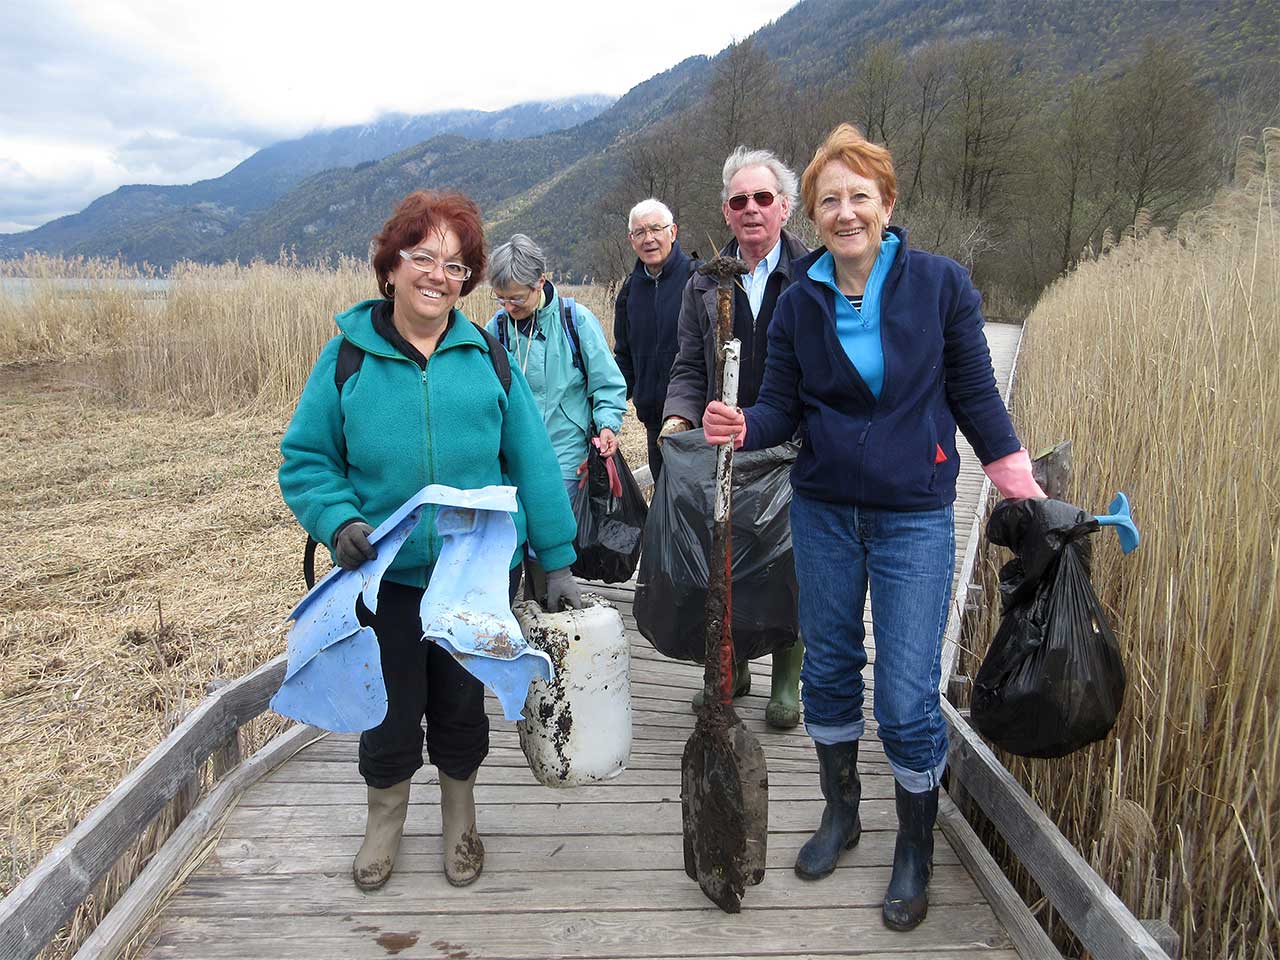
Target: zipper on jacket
[861,461]
[428,454]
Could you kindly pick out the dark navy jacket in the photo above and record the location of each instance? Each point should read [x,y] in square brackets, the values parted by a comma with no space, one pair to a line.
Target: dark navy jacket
[898,452]
[644,331]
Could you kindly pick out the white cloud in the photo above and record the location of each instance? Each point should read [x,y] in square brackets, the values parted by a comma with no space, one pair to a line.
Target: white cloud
[98,93]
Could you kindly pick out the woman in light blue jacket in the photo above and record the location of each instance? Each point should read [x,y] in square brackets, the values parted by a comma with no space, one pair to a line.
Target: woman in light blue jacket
[561,350]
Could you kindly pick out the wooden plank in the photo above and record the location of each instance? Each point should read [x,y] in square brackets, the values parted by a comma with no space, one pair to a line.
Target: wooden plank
[576,934]
[1029,938]
[47,897]
[122,922]
[429,894]
[533,793]
[338,820]
[344,772]
[533,853]
[1095,914]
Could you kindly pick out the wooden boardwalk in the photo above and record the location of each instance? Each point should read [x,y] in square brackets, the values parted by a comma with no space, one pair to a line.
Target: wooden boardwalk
[591,872]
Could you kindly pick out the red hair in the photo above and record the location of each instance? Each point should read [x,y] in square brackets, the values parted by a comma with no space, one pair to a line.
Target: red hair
[846,145]
[424,212]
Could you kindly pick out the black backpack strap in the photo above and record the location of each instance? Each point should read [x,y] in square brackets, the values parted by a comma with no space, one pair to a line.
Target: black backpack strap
[309,563]
[349,359]
[569,317]
[504,330]
[498,355]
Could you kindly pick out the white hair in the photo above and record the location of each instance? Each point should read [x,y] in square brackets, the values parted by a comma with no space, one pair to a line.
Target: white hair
[742,158]
[646,207]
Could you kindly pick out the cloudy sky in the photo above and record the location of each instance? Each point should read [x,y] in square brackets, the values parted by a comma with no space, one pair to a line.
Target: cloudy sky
[97,93]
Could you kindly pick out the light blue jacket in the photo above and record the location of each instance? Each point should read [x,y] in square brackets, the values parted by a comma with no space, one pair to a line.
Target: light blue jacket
[559,389]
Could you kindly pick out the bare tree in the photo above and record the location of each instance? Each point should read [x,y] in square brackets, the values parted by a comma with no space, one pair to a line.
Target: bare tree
[1161,131]
[875,96]
[985,124]
[929,93]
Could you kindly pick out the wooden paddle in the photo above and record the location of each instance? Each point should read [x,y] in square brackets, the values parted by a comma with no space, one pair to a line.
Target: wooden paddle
[724,792]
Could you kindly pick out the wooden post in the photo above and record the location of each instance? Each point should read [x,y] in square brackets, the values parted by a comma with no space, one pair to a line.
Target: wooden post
[1166,936]
[227,757]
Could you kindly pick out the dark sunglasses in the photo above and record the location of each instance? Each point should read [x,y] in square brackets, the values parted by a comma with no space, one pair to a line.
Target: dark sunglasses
[763,198]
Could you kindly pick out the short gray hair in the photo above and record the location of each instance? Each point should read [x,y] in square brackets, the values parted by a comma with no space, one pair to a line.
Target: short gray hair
[645,207]
[518,262]
[742,158]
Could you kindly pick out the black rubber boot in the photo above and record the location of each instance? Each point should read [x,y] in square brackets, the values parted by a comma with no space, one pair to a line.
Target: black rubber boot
[906,902]
[841,826]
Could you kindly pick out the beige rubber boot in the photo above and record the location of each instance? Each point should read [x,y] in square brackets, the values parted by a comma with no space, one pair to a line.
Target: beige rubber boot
[377,857]
[463,851]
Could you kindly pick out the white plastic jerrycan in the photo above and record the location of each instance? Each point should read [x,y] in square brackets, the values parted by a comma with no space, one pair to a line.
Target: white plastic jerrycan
[577,728]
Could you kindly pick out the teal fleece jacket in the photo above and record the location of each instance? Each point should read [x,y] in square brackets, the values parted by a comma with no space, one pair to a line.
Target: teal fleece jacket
[396,428]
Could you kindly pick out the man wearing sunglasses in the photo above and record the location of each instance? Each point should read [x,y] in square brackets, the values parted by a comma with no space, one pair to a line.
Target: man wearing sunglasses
[645,315]
[759,191]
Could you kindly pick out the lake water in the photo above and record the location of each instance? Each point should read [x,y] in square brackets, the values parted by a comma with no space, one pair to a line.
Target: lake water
[20,289]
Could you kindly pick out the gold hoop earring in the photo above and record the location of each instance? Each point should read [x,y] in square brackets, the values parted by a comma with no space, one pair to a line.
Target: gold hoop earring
[389,290]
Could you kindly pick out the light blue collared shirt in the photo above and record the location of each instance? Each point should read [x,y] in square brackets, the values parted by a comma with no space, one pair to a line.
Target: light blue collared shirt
[758,279]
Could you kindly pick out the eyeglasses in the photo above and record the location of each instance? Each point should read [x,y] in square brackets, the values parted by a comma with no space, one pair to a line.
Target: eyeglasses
[639,233]
[763,198]
[426,263]
[512,301]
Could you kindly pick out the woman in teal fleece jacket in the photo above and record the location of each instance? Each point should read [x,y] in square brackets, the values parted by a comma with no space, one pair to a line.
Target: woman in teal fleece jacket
[425,405]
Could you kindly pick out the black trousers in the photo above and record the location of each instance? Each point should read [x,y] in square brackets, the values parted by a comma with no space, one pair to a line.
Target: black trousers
[655,451]
[423,681]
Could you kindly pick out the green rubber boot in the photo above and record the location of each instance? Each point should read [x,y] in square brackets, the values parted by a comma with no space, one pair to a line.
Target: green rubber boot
[741,683]
[783,711]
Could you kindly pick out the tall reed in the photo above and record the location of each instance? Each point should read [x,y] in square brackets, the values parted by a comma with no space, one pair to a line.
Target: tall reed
[204,338]
[1159,360]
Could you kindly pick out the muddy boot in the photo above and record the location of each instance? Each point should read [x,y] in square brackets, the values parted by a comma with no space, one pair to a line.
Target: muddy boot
[841,826]
[783,711]
[382,830]
[907,900]
[741,683]
[463,851]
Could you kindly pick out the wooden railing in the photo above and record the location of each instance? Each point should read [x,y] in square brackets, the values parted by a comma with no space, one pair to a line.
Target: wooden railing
[38,907]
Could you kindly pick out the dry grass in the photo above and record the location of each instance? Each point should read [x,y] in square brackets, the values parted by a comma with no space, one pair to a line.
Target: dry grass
[1159,361]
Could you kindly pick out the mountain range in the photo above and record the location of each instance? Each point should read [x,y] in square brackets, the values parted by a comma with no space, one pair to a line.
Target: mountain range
[541,168]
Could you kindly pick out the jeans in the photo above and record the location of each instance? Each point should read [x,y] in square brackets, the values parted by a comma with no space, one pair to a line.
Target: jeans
[906,559]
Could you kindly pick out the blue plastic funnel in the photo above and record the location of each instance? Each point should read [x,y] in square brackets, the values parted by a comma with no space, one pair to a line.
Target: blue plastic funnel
[1118,516]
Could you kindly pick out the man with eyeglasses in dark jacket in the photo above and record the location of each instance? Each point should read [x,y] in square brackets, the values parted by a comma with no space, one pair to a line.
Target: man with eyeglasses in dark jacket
[646,314]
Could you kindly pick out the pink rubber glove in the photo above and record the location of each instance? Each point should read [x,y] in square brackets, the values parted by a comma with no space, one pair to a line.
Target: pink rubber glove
[1012,476]
[722,423]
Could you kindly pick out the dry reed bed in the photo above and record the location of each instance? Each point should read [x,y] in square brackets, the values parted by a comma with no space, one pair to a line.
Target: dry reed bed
[1160,361]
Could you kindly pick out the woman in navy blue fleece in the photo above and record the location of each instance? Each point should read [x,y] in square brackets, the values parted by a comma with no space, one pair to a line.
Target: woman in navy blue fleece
[876,354]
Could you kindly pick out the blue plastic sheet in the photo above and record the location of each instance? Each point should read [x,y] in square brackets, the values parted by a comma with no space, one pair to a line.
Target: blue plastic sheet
[334,674]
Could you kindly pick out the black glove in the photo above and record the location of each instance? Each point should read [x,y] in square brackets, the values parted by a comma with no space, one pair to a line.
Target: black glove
[352,545]
[562,589]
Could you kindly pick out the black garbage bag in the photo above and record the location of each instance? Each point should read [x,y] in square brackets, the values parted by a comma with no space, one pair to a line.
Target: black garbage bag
[610,511]
[671,588]
[1053,679]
